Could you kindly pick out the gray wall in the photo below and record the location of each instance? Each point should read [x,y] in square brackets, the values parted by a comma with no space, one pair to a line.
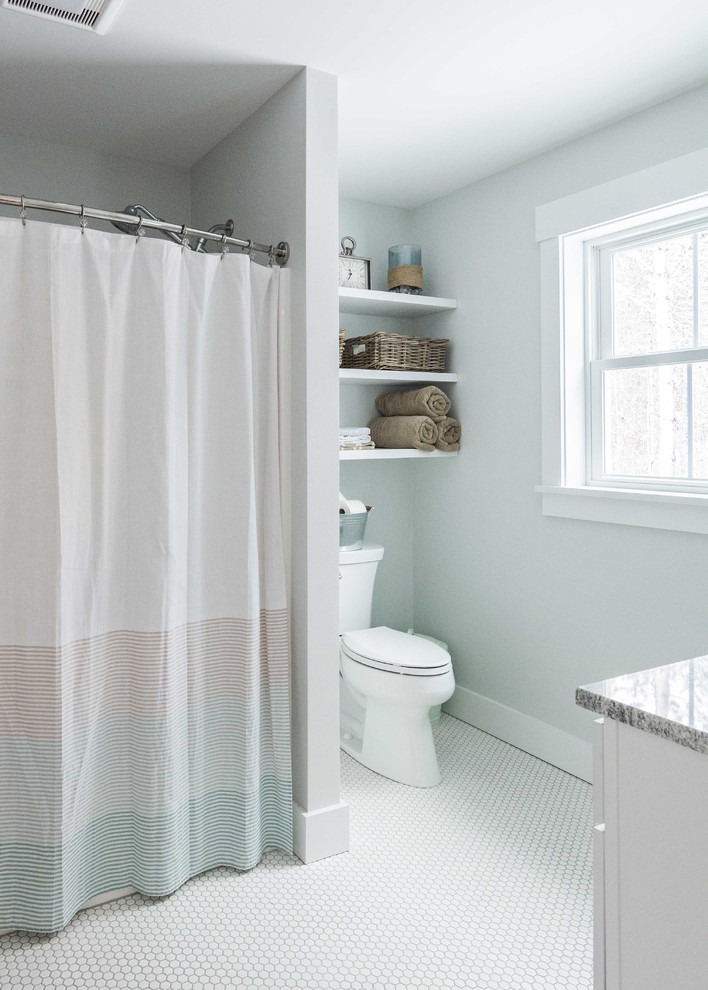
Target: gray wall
[66,173]
[531,606]
[535,606]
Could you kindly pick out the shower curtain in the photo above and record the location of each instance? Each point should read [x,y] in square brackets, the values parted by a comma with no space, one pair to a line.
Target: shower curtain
[144,658]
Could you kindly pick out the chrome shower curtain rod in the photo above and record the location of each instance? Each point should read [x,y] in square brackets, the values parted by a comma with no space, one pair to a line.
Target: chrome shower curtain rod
[278,253]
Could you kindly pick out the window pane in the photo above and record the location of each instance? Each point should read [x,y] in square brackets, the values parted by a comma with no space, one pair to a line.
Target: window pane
[646,422]
[703,289]
[652,297]
[700,420]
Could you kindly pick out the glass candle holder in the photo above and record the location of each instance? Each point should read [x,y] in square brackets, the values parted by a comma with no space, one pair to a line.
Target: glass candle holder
[405,271]
[404,254]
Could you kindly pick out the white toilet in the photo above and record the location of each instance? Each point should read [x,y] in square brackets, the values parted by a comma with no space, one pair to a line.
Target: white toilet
[389,682]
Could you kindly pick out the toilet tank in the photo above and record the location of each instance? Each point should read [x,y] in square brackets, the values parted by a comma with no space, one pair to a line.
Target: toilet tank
[356,586]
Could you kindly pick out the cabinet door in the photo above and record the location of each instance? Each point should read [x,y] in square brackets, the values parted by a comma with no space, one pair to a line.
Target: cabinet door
[598,856]
[662,847]
[606,925]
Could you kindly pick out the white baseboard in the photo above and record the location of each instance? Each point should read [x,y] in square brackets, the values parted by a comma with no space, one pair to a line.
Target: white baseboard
[545,741]
[321,833]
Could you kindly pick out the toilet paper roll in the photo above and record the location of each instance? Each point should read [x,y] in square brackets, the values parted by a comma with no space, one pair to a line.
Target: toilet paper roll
[354,505]
[342,503]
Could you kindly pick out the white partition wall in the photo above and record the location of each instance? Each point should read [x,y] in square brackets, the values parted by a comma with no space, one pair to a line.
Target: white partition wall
[276,176]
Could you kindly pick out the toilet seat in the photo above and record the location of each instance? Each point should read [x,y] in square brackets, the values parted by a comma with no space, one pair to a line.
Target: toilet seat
[394,651]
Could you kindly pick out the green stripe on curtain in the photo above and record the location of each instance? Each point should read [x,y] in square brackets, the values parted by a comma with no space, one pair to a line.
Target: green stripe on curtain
[41,888]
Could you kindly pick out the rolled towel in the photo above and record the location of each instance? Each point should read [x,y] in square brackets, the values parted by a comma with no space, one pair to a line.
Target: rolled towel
[427,401]
[449,433]
[404,431]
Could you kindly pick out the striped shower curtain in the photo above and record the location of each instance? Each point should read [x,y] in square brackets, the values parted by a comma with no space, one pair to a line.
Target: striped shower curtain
[144,685]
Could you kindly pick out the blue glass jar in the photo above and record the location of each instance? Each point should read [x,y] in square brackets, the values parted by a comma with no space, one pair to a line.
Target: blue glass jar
[405,271]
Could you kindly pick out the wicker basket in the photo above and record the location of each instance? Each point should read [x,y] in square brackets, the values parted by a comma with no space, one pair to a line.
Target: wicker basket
[394,352]
[342,334]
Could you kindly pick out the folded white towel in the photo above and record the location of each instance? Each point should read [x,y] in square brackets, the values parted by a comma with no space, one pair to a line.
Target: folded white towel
[354,431]
[360,444]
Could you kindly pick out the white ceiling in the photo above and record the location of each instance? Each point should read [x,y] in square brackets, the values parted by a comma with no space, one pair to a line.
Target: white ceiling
[433,95]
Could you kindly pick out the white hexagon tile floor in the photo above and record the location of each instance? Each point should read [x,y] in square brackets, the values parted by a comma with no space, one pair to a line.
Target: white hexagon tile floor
[483,883]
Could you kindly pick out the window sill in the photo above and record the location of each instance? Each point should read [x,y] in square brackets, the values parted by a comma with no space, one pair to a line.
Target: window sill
[680,511]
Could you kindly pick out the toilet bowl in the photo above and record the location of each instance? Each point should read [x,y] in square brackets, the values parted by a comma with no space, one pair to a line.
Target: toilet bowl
[389,682]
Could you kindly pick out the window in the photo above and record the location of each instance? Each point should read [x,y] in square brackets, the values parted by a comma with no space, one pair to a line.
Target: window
[624,295]
[647,328]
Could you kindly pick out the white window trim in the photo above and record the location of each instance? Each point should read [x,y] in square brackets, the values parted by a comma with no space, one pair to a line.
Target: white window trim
[562,232]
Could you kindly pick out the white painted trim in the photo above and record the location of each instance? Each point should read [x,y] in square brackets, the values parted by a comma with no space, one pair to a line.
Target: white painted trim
[671,182]
[321,833]
[653,359]
[685,512]
[677,188]
[548,743]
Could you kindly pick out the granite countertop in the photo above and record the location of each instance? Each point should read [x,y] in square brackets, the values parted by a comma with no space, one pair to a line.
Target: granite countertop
[669,701]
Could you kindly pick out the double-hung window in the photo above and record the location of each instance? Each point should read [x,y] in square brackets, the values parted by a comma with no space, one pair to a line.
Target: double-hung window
[647,340]
[624,296]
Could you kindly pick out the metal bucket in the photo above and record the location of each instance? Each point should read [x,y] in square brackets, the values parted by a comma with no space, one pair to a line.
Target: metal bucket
[352,527]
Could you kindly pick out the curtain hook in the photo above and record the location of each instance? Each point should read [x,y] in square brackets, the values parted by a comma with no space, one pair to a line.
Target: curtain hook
[183,236]
[139,232]
[249,249]
[224,245]
[271,255]
[23,211]
[83,222]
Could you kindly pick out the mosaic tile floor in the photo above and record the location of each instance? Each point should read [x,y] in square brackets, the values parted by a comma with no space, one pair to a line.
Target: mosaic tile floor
[483,883]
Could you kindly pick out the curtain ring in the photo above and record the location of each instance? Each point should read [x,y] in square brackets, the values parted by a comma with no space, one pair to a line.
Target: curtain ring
[83,222]
[249,249]
[224,245]
[271,255]
[139,232]
[183,236]
[23,211]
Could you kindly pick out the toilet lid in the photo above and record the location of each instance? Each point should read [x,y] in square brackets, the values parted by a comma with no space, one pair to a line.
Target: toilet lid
[389,649]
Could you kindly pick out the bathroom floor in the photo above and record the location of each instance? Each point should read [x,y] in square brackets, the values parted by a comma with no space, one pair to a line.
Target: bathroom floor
[483,883]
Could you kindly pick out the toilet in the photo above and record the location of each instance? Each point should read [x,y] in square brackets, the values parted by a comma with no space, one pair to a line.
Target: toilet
[389,681]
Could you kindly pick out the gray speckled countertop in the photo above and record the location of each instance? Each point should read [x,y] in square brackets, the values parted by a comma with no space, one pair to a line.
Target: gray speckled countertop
[670,701]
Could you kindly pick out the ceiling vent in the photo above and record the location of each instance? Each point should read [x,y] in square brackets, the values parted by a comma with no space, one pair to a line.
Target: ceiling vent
[92,15]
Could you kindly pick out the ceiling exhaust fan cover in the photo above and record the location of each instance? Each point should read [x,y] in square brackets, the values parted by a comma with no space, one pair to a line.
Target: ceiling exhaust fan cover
[91,15]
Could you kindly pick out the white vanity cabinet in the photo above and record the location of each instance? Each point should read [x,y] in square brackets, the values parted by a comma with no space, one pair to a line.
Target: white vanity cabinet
[650,839]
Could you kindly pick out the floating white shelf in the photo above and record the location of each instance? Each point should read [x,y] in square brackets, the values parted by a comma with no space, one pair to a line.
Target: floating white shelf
[360,376]
[385,453]
[371,302]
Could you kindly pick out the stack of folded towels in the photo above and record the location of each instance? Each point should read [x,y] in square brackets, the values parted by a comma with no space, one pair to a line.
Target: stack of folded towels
[416,418]
[355,438]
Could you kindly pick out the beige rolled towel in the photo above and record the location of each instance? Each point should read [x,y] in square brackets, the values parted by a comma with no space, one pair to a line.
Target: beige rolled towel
[404,431]
[449,433]
[427,401]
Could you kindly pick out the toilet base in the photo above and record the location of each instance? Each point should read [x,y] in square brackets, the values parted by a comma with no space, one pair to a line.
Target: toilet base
[417,768]
[393,740]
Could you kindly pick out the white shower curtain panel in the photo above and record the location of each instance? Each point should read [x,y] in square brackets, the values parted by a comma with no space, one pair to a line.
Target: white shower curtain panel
[144,667]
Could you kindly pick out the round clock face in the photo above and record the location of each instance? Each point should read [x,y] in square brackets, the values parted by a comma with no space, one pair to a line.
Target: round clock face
[352,273]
